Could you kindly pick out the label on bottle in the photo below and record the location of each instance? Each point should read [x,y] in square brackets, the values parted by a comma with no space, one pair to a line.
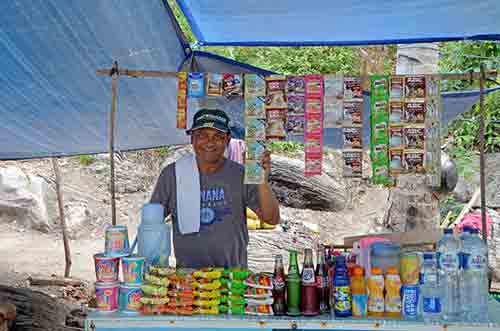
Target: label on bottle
[308,276]
[393,305]
[410,300]
[278,283]
[449,262]
[359,304]
[431,305]
[343,298]
[376,305]
[321,281]
[477,262]
[429,277]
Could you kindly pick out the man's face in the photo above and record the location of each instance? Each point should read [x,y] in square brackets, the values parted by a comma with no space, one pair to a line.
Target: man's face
[209,144]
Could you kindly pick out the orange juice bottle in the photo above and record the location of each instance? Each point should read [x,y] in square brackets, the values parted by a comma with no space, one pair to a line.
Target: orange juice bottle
[392,293]
[376,293]
[358,292]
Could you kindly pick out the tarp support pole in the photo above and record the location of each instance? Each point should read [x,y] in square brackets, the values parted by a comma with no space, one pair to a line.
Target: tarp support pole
[60,202]
[481,154]
[112,118]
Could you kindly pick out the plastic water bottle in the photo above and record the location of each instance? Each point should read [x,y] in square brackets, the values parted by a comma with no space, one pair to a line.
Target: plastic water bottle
[430,303]
[448,261]
[465,299]
[475,276]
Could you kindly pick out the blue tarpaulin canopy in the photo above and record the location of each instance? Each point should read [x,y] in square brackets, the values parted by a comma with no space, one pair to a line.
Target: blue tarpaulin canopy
[54,104]
[327,22]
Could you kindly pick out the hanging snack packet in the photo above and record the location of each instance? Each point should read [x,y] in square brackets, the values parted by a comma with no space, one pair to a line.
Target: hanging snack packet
[208,273]
[295,125]
[236,274]
[276,121]
[275,92]
[396,161]
[414,161]
[232,85]
[334,85]
[380,154]
[313,124]
[255,86]
[205,284]
[258,293]
[353,163]
[396,112]
[353,112]
[254,172]
[396,137]
[353,89]
[379,87]
[314,85]
[313,164]
[255,149]
[397,88]
[214,84]
[255,128]
[295,85]
[196,85]
[415,87]
[255,107]
[414,137]
[181,115]
[296,105]
[314,106]
[380,133]
[414,112]
[333,112]
[353,137]
[313,144]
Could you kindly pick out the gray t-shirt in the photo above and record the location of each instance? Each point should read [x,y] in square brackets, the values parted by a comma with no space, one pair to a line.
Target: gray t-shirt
[223,237]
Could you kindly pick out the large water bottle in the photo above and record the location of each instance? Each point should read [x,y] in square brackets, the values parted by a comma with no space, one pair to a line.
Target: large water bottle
[475,275]
[430,303]
[449,262]
[465,299]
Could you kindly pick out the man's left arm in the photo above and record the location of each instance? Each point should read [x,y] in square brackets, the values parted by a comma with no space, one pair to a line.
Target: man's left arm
[269,210]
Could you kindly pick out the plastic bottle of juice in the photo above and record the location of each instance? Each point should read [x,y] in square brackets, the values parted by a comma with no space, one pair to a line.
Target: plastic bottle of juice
[392,293]
[358,291]
[375,288]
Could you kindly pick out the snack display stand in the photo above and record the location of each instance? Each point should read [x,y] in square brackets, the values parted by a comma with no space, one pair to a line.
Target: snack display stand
[128,322]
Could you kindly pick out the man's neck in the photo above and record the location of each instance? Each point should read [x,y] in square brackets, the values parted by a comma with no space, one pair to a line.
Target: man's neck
[210,168]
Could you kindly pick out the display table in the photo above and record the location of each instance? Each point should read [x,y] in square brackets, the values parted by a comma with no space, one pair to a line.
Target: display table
[128,322]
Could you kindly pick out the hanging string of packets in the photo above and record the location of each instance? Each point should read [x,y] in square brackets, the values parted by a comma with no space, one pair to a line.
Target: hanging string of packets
[404,119]
[405,125]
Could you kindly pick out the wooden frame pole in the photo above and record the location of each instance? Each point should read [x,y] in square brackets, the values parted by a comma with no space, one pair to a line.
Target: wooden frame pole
[60,202]
[482,180]
[112,118]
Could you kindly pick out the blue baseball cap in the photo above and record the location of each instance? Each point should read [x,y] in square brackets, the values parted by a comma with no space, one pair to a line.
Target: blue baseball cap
[212,119]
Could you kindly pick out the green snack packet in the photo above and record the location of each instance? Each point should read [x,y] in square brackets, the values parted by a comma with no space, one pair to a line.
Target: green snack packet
[379,87]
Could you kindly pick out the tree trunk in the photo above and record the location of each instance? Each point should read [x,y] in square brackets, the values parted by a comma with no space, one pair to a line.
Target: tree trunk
[295,190]
[35,311]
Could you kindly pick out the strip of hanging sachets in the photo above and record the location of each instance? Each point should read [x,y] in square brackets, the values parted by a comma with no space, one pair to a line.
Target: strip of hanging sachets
[313,135]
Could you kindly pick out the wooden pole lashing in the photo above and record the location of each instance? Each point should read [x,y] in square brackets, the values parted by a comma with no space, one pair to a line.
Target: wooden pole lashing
[482,180]
[112,118]
[60,202]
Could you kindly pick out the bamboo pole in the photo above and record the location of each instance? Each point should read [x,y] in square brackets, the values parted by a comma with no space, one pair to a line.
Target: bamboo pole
[157,73]
[60,202]
[481,154]
[112,118]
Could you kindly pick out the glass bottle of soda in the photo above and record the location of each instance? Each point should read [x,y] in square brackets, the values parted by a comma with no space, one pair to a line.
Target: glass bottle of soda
[279,288]
[293,286]
[309,305]
[322,284]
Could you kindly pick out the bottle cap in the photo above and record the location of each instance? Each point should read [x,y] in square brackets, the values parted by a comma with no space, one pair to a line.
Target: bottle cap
[376,271]
[392,271]
[358,271]
[428,256]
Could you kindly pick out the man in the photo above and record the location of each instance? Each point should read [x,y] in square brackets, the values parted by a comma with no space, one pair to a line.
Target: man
[223,236]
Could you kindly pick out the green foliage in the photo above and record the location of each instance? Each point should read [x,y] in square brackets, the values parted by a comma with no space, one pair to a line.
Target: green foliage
[285,147]
[463,57]
[450,206]
[86,159]
[465,159]
[163,151]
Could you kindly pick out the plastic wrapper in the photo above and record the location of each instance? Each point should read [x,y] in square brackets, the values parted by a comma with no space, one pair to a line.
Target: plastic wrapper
[207,294]
[266,310]
[155,280]
[259,302]
[159,271]
[208,273]
[151,309]
[206,303]
[176,293]
[233,300]
[232,310]
[259,281]
[204,284]
[181,302]
[154,291]
[255,293]
[154,301]
[206,310]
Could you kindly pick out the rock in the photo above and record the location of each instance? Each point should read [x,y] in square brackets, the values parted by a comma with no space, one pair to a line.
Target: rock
[77,215]
[27,199]
[463,191]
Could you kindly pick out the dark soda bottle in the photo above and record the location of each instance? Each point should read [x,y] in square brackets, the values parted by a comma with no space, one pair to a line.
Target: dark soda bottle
[322,284]
[293,286]
[279,288]
[309,304]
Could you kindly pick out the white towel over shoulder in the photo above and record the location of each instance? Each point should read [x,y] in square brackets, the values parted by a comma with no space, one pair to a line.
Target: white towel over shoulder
[187,179]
